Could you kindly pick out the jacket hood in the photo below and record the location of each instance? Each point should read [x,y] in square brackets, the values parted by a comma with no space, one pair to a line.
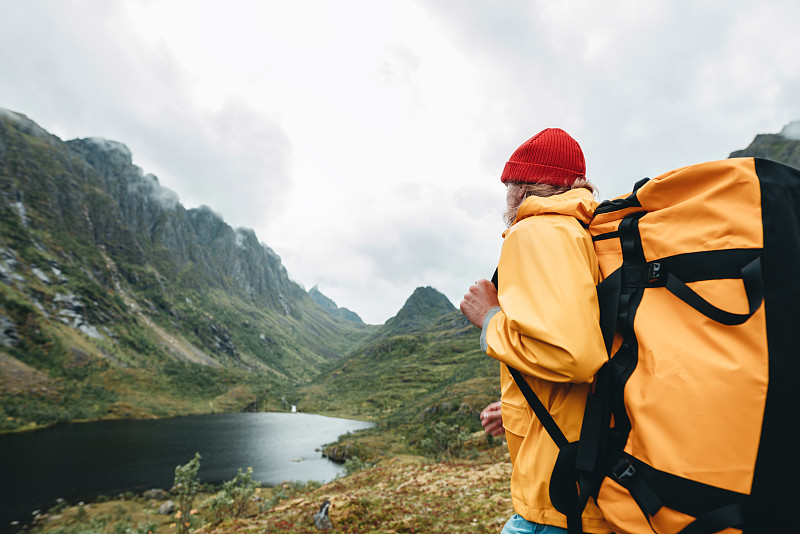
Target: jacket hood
[578,203]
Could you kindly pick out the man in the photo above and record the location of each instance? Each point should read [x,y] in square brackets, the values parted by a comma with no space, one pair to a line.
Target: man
[543,318]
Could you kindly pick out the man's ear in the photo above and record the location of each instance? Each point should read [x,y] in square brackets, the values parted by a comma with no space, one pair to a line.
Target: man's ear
[518,192]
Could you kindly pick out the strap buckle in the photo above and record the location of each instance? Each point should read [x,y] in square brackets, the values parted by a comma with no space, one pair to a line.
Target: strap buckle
[623,471]
[654,272]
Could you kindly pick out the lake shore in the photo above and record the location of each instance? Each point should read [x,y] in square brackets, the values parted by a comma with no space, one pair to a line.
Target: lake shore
[79,462]
[401,494]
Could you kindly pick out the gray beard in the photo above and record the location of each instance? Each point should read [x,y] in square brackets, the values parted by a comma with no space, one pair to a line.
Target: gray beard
[510,215]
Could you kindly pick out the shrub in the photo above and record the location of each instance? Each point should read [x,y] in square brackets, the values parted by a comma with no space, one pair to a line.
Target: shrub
[233,499]
[444,441]
[355,464]
[186,486]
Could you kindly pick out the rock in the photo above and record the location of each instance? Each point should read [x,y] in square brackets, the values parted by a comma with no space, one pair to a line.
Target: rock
[40,274]
[8,332]
[321,519]
[155,494]
[70,311]
[168,508]
[337,453]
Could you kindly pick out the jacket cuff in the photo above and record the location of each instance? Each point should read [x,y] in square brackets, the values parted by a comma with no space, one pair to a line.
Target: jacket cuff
[486,319]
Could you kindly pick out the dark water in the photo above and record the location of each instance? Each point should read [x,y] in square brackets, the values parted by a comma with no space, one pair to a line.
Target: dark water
[80,461]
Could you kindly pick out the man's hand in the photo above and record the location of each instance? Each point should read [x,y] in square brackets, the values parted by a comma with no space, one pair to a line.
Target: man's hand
[492,420]
[479,299]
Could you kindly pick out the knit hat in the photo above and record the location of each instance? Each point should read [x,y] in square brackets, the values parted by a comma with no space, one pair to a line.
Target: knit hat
[549,157]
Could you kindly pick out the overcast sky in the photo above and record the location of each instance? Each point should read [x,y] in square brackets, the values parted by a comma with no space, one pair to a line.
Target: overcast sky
[363,140]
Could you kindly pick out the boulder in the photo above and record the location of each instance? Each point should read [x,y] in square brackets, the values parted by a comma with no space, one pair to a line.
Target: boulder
[168,508]
[321,519]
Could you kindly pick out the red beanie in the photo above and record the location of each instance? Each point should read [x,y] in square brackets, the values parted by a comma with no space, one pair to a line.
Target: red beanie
[549,157]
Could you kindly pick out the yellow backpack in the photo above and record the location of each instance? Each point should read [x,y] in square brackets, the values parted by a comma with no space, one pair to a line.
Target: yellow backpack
[691,426]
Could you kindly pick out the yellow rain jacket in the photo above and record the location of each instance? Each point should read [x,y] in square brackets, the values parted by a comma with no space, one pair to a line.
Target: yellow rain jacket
[548,329]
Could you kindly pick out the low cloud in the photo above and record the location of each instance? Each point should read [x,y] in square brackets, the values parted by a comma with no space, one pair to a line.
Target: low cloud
[792,130]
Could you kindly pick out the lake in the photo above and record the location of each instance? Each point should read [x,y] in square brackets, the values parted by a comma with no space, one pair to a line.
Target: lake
[83,460]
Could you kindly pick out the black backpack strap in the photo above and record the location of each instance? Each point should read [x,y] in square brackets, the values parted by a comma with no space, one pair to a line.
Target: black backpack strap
[713,508]
[538,408]
[564,496]
[753,285]
[730,516]
[608,295]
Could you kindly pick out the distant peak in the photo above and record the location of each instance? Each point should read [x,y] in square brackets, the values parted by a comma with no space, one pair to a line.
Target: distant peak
[430,298]
[423,306]
[331,307]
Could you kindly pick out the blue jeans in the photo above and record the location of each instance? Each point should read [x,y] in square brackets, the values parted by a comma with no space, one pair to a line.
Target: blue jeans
[519,525]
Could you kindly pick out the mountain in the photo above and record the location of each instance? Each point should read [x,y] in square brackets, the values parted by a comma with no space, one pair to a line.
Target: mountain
[783,147]
[117,301]
[423,306]
[330,306]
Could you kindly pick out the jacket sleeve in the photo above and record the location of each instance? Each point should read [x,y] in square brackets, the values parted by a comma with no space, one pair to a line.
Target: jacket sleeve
[548,325]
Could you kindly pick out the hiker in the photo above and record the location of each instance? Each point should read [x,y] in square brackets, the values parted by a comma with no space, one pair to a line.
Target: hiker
[542,318]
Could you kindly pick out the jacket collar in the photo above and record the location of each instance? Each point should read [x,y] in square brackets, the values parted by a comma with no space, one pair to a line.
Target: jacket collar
[578,203]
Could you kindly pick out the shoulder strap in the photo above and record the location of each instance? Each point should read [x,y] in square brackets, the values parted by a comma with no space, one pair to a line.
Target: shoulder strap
[538,408]
[574,521]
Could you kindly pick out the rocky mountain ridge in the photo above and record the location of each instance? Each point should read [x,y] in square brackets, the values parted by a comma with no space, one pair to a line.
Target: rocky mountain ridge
[330,306]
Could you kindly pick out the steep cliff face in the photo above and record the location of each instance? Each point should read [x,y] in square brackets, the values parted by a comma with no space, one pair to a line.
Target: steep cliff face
[179,239]
[102,269]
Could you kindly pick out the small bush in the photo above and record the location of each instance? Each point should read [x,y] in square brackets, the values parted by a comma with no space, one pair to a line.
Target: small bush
[355,464]
[233,499]
[444,441]
[186,486]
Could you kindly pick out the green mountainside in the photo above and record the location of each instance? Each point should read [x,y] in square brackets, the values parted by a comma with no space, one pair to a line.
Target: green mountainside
[428,374]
